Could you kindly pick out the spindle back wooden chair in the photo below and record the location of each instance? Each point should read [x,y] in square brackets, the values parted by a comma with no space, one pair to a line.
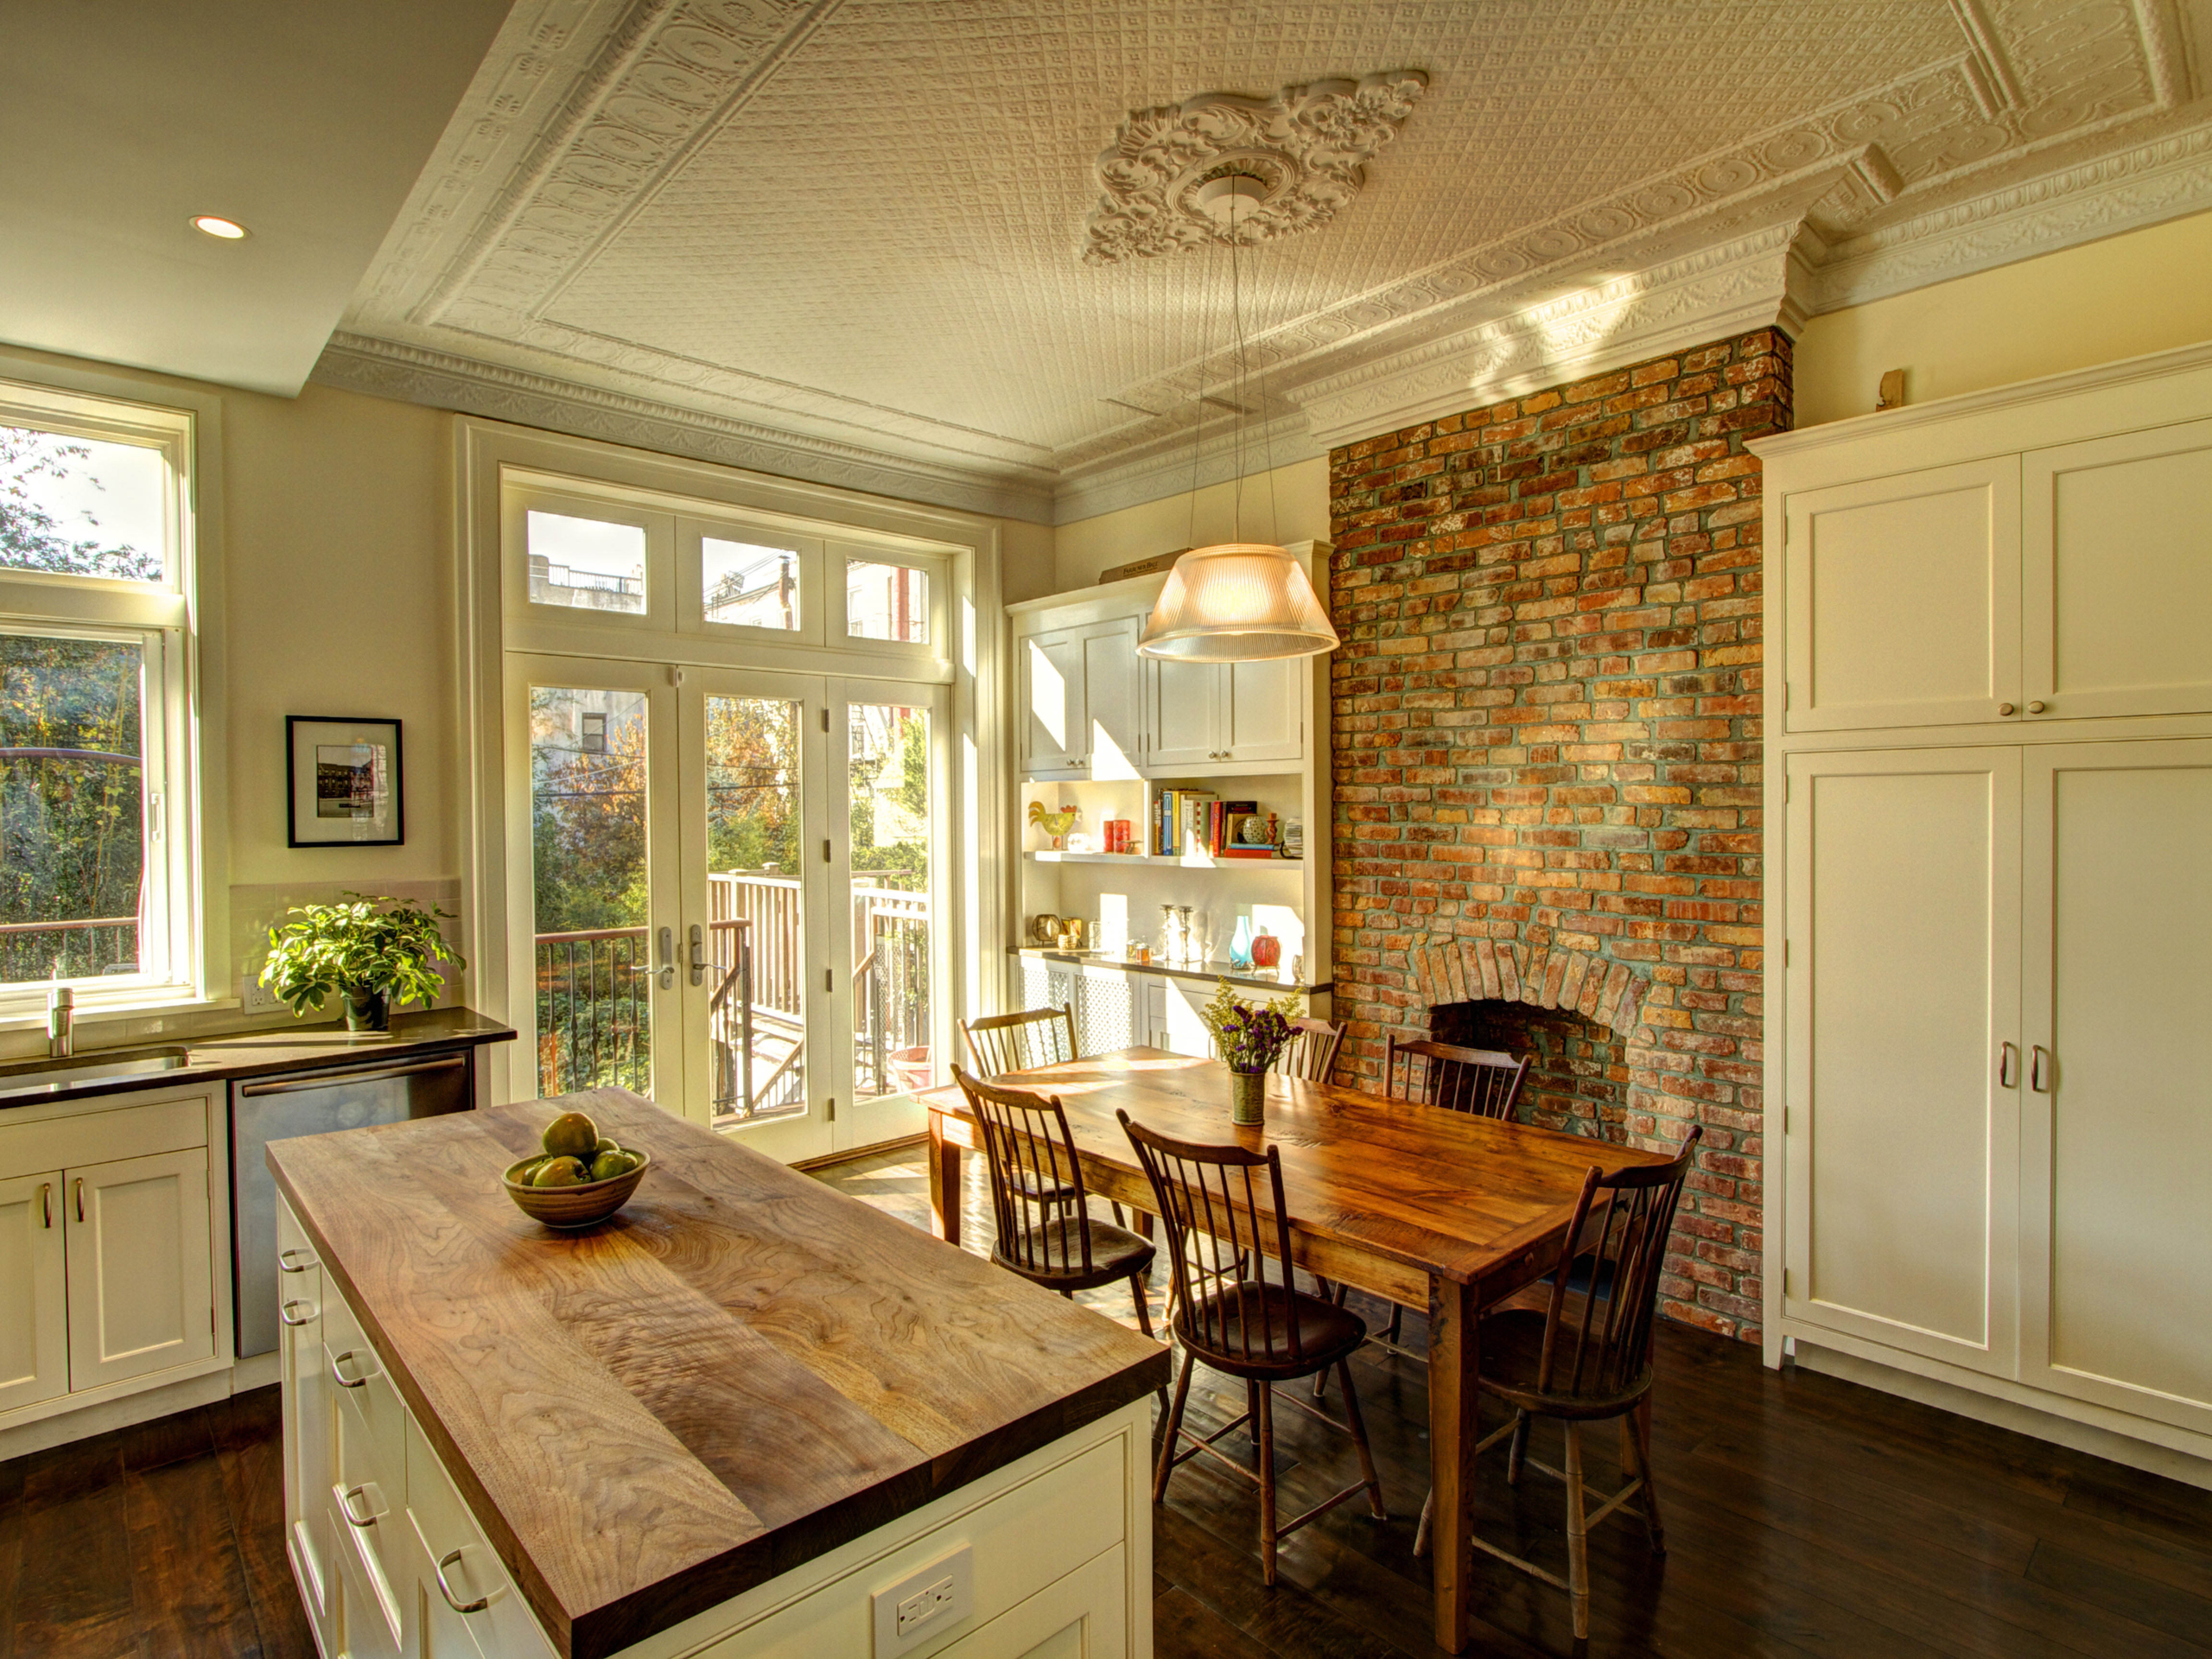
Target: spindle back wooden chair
[1224,1220]
[1000,1043]
[1038,1202]
[1584,1355]
[1483,1081]
[1311,1051]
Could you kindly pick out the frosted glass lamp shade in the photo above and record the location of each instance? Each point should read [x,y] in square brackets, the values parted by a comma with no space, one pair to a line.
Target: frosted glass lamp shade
[1239,602]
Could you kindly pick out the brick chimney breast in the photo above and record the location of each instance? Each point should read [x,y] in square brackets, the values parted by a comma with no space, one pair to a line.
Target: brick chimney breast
[1545,729]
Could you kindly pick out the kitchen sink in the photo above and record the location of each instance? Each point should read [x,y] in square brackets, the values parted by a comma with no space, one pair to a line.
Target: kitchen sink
[43,1075]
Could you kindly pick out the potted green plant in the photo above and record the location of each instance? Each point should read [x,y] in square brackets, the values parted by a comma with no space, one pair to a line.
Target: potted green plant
[374,952]
[1248,1036]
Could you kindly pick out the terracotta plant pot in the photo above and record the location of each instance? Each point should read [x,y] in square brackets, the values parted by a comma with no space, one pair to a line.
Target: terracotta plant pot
[1248,1096]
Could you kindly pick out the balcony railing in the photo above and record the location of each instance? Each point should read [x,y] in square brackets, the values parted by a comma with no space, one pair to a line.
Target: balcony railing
[85,948]
[594,1030]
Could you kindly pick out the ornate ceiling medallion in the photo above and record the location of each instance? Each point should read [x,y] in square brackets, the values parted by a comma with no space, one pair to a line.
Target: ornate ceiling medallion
[1306,146]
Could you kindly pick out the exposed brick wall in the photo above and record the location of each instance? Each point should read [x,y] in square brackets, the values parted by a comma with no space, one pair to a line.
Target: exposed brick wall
[1545,735]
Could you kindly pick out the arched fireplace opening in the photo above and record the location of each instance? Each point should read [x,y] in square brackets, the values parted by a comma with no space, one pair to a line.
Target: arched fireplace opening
[1578,1069]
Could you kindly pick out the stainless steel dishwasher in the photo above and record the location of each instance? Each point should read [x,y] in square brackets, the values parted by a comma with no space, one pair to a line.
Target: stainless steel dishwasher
[313,1103]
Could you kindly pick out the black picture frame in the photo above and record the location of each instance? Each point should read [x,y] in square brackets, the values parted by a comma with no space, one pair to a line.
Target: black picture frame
[343,800]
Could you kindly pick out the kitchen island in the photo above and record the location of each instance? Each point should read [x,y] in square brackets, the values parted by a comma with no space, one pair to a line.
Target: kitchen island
[746,1416]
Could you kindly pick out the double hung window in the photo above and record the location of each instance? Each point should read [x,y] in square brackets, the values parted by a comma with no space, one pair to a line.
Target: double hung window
[98,883]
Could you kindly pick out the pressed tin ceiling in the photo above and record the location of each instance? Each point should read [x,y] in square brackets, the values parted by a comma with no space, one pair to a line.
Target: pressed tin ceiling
[847,240]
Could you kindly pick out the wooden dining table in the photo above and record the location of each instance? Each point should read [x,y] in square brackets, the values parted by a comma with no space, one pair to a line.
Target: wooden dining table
[1429,1208]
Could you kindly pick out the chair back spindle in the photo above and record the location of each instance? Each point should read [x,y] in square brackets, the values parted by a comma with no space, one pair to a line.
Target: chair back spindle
[1224,1219]
[1311,1051]
[1605,1290]
[1485,1082]
[1002,1043]
[1038,1200]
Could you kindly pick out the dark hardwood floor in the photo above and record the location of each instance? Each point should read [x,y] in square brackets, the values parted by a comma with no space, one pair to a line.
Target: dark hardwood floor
[1805,1515]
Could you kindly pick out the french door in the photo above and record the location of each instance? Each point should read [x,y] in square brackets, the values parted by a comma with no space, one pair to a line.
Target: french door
[729,892]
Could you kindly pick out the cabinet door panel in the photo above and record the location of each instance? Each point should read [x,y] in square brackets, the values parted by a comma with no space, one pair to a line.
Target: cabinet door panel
[1266,718]
[2116,1232]
[1903,979]
[1112,740]
[141,1282]
[310,1457]
[1182,703]
[33,1291]
[1903,599]
[1052,701]
[2117,542]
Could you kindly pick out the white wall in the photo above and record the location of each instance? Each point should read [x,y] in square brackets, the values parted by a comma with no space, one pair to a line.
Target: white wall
[1291,504]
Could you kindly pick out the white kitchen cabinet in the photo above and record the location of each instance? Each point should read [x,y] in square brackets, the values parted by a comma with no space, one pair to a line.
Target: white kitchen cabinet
[1903,982]
[1902,597]
[2117,590]
[141,1271]
[1206,716]
[2117,1308]
[310,1464]
[34,1291]
[1079,700]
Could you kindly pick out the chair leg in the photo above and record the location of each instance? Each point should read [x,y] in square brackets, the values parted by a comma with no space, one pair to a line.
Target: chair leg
[1637,1425]
[1264,1404]
[1517,1448]
[1174,1426]
[1252,1415]
[1359,1440]
[1143,1302]
[1577,1535]
[1119,1221]
[1427,1515]
[1397,1314]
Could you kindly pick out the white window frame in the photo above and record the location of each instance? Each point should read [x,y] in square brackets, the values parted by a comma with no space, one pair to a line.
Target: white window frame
[166,620]
[844,552]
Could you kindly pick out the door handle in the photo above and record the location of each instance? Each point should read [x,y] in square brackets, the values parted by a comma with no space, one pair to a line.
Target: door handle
[698,955]
[80,1197]
[46,1204]
[666,974]
[2007,1057]
[2037,1079]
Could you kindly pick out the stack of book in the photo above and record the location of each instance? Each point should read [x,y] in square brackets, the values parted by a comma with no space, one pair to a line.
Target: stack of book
[1196,820]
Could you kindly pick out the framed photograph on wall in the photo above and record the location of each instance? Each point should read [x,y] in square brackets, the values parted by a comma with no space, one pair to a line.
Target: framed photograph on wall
[342,777]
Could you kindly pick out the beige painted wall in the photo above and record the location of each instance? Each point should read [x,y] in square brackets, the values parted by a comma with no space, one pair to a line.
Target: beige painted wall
[2147,290]
[1298,512]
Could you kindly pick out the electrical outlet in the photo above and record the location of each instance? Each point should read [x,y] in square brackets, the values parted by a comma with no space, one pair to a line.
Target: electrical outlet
[259,999]
[924,1605]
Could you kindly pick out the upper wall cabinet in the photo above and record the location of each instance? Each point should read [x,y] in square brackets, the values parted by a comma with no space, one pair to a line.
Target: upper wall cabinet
[1199,715]
[1079,702]
[2117,539]
[2068,582]
[1904,599]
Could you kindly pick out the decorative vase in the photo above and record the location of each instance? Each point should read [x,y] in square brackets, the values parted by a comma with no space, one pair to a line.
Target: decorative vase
[367,1011]
[1240,947]
[1267,949]
[1248,1096]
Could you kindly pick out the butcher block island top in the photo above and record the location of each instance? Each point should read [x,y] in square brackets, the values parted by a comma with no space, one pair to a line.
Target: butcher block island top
[740,1371]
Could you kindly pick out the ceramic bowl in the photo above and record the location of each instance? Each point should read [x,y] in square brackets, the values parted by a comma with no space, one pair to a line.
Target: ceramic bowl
[583,1205]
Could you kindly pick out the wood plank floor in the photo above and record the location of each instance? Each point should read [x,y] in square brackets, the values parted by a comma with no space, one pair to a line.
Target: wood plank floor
[1805,1515]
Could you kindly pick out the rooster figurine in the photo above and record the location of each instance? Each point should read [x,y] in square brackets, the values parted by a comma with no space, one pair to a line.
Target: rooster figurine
[1055,825]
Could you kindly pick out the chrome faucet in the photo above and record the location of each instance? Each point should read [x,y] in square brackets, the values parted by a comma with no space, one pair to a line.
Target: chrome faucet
[60,1022]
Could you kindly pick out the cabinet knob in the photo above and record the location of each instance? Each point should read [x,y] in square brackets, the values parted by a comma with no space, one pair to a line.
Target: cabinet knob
[2007,709]
[2035,708]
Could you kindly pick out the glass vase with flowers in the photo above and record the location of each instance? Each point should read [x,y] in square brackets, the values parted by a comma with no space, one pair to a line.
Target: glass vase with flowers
[1247,1038]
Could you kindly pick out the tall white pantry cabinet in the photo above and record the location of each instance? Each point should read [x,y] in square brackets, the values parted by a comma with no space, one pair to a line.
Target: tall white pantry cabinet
[1989,897]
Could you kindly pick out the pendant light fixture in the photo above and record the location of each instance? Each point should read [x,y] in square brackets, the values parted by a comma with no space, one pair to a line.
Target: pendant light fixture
[1236,601]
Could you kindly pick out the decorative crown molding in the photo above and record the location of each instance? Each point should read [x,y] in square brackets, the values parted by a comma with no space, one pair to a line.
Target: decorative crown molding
[1754,282]
[1309,145]
[411,375]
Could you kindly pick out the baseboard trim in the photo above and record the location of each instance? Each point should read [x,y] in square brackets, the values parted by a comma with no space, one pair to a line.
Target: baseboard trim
[2007,1413]
[104,1416]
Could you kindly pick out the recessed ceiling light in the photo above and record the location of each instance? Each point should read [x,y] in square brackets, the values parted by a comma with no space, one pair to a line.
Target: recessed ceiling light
[228,230]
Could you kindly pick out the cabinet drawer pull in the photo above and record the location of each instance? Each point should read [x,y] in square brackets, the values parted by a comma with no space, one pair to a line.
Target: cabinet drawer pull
[80,1197]
[453,1601]
[2037,1079]
[2007,1057]
[340,1379]
[345,1507]
[2007,709]
[2035,708]
[286,1264]
[46,1204]
[286,1314]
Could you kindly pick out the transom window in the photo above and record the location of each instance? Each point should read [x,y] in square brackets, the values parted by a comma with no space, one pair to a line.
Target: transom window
[98,883]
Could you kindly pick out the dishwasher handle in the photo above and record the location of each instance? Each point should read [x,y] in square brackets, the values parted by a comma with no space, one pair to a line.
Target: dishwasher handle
[332,1079]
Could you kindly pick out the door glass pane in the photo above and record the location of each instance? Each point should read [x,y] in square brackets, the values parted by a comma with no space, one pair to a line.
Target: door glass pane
[72,810]
[756,1014]
[749,586]
[888,778]
[588,883]
[886,601]
[585,564]
[82,506]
